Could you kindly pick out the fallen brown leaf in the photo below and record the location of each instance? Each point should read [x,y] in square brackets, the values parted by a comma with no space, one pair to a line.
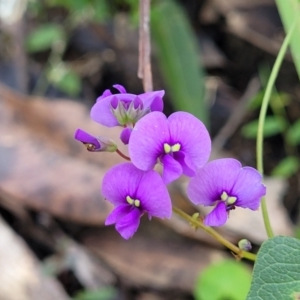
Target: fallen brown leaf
[42,167]
[153,258]
[21,275]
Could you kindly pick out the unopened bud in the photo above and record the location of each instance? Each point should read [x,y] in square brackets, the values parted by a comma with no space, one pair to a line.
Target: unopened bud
[95,144]
[244,244]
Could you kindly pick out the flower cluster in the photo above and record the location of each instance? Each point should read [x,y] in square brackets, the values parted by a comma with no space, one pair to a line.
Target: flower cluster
[181,144]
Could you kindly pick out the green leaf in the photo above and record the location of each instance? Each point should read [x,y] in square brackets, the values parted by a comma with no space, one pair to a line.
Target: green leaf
[65,79]
[101,294]
[276,273]
[179,58]
[287,167]
[44,37]
[273,125]
[293,133]
[226,280]
[297,233]
[289,12]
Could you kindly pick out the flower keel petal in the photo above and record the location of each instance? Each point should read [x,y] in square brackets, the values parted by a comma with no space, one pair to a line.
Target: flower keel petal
[217,217]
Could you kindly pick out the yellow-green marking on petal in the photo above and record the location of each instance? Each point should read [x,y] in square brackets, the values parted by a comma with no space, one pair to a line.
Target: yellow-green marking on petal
[167,148]
[231,200]
[228,199]
[129,200]
[174,148]
[135,202]
[224,196]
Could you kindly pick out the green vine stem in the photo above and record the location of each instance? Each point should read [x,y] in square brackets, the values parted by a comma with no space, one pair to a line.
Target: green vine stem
[198,224]
[261,121]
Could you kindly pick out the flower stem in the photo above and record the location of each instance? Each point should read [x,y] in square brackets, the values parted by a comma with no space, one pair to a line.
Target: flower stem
[261,120]
[198,224]
[123,155]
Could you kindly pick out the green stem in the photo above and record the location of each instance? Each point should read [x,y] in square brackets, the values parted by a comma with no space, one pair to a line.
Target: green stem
[198,224]
[261,121]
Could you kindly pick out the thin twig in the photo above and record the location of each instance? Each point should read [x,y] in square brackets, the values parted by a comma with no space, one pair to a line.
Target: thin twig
[144,71]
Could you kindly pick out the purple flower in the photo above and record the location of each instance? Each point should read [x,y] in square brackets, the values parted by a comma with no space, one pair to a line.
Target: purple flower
[134,192]
[95,144]
[181,143]
[225,184]
[125,109]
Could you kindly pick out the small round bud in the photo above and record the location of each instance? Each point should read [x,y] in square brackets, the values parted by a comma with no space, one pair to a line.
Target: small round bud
[244,244]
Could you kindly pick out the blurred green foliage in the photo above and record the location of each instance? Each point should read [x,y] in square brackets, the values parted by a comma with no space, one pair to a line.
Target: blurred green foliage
[289,12]
[107,293]
[176,43]
[228,279]
[276,123]
[44,37]
[273,125]
[179,58]
[54,37]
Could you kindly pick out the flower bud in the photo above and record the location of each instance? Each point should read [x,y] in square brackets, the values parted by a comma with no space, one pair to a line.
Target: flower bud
[95,144]
[125,135]
[244,244]
[118,109]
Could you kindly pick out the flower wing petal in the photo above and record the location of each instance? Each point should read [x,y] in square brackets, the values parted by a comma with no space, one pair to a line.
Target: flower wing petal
[172,169]
[153,100]
[248,188]
[211,180]
[118,213]
[101,112]
[120,181]
[154,195]
[129,224]
[147,139]
[193,136]
[157,104]
[218,216]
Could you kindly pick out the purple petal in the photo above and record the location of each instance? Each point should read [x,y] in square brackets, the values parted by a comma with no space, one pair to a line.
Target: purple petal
[187,165]
[248,188]
[218,216]
[154,195]
[212,180]
[114,102]
[150,97]
[105,94]
[157,104]
[101,113]
[129,224]
[118,213]
[172,169]
[120,88]
[125,135]
[120,181]
[138,103]
[147,139]
[193,136]
[101,110]
[86,138]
